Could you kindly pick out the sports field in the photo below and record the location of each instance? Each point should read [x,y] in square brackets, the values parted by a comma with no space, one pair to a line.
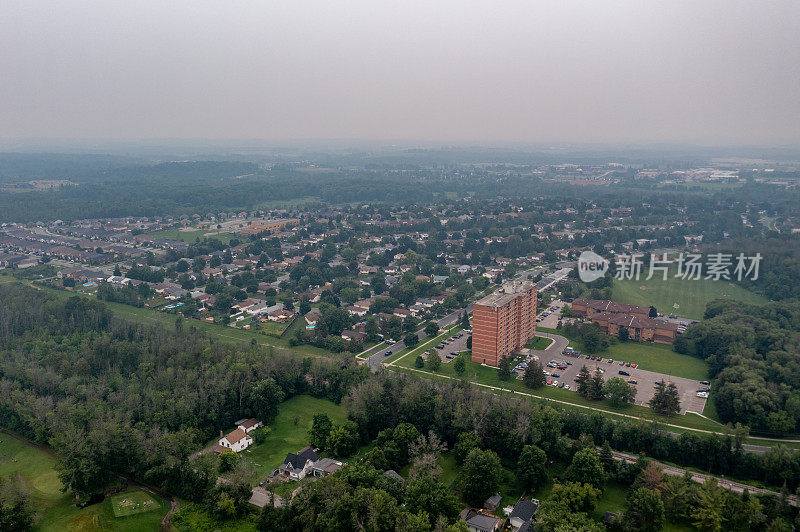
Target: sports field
[133,502]
[689,296]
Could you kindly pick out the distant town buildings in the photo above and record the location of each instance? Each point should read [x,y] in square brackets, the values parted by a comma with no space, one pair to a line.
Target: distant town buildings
[503,322]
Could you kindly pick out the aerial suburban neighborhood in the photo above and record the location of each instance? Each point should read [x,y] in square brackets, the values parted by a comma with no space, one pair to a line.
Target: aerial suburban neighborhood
[400,266]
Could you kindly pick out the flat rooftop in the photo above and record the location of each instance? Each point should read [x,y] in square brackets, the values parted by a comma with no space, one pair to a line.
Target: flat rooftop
[496,299]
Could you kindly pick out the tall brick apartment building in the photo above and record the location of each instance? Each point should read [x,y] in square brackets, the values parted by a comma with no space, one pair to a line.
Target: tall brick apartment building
[503,322]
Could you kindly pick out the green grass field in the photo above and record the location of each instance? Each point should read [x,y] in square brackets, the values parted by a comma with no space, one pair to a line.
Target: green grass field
[650,356]
[137,502]
[289,432]
[539,343]
[55,509]
[175,233]
[690,296]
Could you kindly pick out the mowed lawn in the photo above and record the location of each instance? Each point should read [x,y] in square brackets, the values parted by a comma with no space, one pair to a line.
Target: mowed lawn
[690,296]
[55,510]
[175,233]
[289,432]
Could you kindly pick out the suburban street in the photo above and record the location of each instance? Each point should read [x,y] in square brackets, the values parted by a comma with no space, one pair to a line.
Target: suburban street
[375,360]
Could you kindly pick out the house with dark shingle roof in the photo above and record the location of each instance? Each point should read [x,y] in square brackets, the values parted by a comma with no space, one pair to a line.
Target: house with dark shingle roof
[522,514]
[297,466]
[478,522]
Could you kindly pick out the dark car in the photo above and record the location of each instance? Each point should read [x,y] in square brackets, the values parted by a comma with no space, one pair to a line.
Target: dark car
[387,353]
[705,382]
[556,375]
[624,373]
[631,381]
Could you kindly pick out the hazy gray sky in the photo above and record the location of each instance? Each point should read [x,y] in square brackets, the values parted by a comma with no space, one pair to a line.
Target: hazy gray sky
[533,70]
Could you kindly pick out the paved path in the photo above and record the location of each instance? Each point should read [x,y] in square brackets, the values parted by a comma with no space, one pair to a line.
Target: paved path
[700,478]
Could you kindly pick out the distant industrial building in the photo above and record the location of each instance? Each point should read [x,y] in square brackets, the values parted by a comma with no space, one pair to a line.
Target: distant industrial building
[503,322]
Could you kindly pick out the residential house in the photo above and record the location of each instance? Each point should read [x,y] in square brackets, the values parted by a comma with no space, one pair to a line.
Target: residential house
[297,466]
[249,424]
[325,466]
[281,316]
[522,514]
[312,318]
[478,522]
[354,336]
[236,440]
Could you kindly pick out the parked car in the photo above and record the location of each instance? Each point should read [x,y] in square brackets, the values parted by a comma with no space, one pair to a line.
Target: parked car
[387,353]
[625,373]
[632,381]
[705,382]
[556,375]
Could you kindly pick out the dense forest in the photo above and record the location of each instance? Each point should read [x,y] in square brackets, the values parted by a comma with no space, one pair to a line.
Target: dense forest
[114,397]
[754,354]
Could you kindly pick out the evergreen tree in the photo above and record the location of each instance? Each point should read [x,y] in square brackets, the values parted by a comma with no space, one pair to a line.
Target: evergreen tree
[534,375]
[434,361]
[607,458]
[419,362]
[504,369]
[665,401]
[464,321]
[595,387]
[459,365]
[583,379]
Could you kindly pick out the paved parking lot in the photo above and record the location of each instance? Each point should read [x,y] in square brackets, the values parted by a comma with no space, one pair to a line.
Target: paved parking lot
[645,380]
[453,345]
[551,320]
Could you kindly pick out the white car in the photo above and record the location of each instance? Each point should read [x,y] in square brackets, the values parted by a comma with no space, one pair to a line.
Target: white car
[702,394]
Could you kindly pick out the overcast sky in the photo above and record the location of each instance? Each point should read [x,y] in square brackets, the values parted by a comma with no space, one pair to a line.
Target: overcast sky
[533,70]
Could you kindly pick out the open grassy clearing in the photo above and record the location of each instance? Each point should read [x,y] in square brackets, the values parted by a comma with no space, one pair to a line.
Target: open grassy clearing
[289,432]
[650,356]
[539,343]
[56,510]
[135,502]
[175,233]
[690,296]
